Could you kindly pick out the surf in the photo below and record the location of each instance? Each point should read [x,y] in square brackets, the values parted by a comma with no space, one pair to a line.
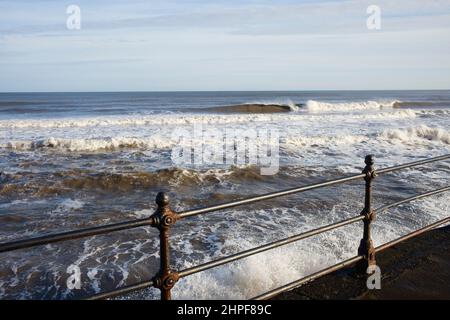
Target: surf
[319,106]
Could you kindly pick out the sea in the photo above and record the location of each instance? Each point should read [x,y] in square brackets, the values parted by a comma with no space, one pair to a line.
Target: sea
[77,160]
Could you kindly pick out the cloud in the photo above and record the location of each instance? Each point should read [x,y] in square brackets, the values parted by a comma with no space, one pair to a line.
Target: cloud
[249,17]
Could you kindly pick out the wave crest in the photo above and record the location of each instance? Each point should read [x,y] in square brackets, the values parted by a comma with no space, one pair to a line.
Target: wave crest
[154,120]
[418,133]
[90,145]
[318,106]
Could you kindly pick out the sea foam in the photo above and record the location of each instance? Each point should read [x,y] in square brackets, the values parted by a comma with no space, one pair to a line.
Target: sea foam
[318,106]
[415,134]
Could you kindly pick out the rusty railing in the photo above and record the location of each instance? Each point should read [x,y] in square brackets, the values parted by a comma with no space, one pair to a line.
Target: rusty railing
[164,218]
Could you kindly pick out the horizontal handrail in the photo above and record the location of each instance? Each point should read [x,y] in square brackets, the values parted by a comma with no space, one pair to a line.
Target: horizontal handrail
[122,290]
[416,197]
[413,164]
[346,263]
[267,196]
[72,235]
[266,247]
[272,195]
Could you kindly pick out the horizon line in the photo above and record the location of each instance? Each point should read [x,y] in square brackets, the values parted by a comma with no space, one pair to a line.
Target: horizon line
[193,91]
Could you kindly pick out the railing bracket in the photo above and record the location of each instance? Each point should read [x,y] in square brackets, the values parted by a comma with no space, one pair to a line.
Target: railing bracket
[167,281]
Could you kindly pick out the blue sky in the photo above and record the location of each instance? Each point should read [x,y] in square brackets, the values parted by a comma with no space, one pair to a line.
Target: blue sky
[168,45]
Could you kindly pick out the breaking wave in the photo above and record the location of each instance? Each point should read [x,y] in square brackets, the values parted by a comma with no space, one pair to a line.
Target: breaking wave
[414,134]
[91,145]
[161,141]
[191,119]
[318,106]
[169,119]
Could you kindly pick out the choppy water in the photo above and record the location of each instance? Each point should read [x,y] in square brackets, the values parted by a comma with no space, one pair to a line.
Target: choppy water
[72,160]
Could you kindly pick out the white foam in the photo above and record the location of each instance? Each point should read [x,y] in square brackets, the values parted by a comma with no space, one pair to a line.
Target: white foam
[318,106]
[190,119]
[158,136]
[68,205]
[307,141]
[72,204]
[154,120]
[75,145]
[416,134]
[141,214]
[400,114]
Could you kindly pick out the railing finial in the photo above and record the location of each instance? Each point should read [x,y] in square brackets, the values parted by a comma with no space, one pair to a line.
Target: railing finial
[369,161]
[162,199]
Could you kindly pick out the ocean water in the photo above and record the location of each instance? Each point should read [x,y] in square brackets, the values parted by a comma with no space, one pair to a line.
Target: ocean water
[73,160]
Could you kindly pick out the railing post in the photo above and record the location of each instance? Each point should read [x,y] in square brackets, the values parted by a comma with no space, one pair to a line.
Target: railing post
[163,219]
[366,248]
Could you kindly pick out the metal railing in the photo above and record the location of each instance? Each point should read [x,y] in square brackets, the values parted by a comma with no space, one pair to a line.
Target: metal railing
[164,218]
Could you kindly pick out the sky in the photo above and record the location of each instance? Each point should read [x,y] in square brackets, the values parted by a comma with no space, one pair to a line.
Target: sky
[178,45]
